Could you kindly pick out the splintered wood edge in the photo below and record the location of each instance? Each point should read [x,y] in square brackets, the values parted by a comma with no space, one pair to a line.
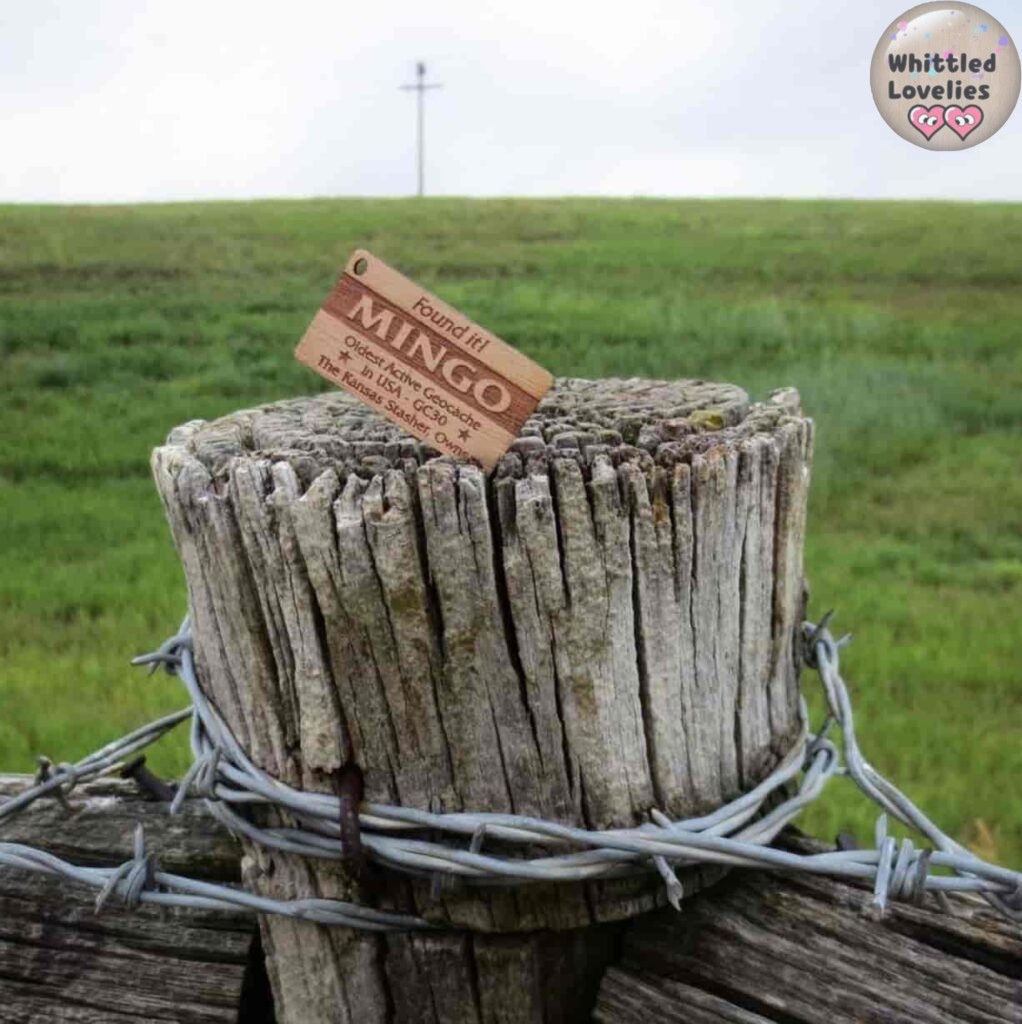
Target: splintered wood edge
[60,961]
[679,459]
[627,420]
[352,487]
[765,948]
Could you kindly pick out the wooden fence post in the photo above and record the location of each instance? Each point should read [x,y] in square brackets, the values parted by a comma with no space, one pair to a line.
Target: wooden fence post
[603,625]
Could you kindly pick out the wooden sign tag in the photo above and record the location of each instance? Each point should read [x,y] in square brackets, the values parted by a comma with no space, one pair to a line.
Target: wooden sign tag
[421,363]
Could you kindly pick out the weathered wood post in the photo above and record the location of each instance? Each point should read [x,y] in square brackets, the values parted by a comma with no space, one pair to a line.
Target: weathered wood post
[604,625]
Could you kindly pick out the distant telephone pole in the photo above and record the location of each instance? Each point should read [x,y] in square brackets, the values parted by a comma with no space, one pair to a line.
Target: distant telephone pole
[420,85]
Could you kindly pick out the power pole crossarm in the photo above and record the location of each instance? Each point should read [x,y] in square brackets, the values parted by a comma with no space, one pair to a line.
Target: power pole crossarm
[419,86]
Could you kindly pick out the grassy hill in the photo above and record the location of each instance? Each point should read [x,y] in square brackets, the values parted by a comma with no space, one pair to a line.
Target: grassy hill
[900,323]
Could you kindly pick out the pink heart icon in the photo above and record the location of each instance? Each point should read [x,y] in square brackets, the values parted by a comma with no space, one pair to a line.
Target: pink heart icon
[963,122]
[927,121]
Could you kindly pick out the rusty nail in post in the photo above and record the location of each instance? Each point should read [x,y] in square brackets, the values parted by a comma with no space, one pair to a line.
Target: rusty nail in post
[135,769]
[846,841]
[349,787]
[45,773]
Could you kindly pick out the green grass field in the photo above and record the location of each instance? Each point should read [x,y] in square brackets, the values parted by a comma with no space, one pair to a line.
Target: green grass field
[900,323]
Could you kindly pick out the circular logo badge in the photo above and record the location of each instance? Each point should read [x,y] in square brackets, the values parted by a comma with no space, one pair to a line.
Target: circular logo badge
[945,76]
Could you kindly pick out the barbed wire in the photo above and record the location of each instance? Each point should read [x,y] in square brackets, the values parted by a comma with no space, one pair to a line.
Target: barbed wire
[404,838]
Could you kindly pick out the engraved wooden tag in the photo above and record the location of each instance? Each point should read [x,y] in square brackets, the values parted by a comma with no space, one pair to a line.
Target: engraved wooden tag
[421,363]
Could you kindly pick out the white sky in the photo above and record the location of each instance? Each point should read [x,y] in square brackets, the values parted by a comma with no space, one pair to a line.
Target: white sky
[110,100]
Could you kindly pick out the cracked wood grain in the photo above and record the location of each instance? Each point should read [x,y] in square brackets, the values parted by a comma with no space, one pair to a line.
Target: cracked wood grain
[602,625]
[798,950]
[61,962]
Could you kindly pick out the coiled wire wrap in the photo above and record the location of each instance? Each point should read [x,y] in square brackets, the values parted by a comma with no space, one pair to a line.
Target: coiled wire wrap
[401,838]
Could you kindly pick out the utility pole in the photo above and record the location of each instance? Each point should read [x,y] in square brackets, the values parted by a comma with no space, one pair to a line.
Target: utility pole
[420,85]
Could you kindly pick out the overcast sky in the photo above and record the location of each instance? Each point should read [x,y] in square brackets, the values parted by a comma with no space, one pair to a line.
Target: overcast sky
[110,100]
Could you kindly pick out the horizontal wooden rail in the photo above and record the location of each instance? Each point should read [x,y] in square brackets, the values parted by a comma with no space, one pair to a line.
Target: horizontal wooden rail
[758,949]
[61,962]
[755,948]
